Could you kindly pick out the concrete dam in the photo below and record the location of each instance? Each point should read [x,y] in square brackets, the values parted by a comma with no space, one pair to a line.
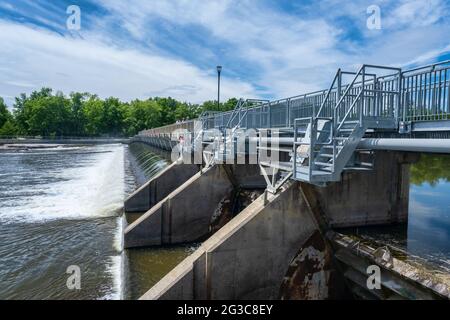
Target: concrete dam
[272,188]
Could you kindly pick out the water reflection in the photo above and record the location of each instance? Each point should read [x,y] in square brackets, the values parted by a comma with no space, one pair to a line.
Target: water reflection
[432,169]
[429,209]
[426,236]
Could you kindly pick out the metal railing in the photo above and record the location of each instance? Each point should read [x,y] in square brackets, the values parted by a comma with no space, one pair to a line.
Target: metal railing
[424,97]
[425,94]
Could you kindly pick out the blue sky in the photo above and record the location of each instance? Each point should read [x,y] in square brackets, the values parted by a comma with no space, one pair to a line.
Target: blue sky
[269,49]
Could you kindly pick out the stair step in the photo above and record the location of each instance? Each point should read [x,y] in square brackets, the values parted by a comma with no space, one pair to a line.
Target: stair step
[369,152]
[351,121]
[325,155]
[365,164]
[357,169]
[323,164]
[285,166]
[305,171]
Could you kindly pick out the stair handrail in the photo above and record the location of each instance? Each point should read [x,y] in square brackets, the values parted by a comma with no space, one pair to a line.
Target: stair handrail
[338,75]
[236,111]
[348,111]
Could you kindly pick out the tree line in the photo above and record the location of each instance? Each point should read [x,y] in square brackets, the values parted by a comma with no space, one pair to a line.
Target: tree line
[47,114]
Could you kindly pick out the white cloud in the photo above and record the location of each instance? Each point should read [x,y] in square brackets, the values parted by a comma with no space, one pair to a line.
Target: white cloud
[34,58]
[416,13]
[284,48]
[297,54]
[288,54]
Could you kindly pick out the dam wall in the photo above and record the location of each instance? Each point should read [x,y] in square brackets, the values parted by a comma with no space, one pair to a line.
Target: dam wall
[276,247]
[272,237]
[186,214]
[378,196]
[248,257]
[159,187]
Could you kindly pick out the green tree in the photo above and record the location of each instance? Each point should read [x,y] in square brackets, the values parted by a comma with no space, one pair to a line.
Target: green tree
[113,116]
[5,115]
[93,113]
[185,111]
[44,113]
[78,119]
[20,115]
[8,129]
[168,109]
[212,105]
[142,115]
[48,115]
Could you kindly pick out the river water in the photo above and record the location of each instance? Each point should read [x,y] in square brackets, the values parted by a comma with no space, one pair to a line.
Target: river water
[61,207]
[425,239]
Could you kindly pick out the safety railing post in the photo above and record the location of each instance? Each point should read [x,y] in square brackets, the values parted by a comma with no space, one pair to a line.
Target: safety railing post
[295,148]
[288,113]
[311,146]
[338,97]
[362,102]
[401,103]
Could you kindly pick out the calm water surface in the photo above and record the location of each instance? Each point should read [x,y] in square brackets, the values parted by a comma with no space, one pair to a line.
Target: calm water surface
[426,236]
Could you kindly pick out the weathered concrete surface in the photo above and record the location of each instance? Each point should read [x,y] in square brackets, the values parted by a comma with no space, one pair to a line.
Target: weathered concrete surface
[373,197]
[247,176]
[313,275]
[159,187]
[247,258]
[184,215]
[400,278]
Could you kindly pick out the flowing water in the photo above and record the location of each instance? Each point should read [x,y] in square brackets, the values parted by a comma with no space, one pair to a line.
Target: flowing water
[61,207]
[146,266]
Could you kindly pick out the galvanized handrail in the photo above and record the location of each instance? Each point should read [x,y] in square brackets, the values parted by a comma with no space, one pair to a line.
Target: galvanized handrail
[424,96]
[336,77]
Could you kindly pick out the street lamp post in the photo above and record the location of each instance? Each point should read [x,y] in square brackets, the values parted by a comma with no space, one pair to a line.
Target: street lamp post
[219,70]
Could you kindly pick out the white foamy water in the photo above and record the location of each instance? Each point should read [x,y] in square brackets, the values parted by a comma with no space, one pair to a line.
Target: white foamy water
[87,190]
[62,206]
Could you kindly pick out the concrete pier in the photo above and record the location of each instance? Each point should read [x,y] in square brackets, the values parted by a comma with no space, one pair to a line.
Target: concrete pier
[159,187]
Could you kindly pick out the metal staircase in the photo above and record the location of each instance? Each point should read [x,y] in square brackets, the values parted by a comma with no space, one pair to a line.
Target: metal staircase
[326,146]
